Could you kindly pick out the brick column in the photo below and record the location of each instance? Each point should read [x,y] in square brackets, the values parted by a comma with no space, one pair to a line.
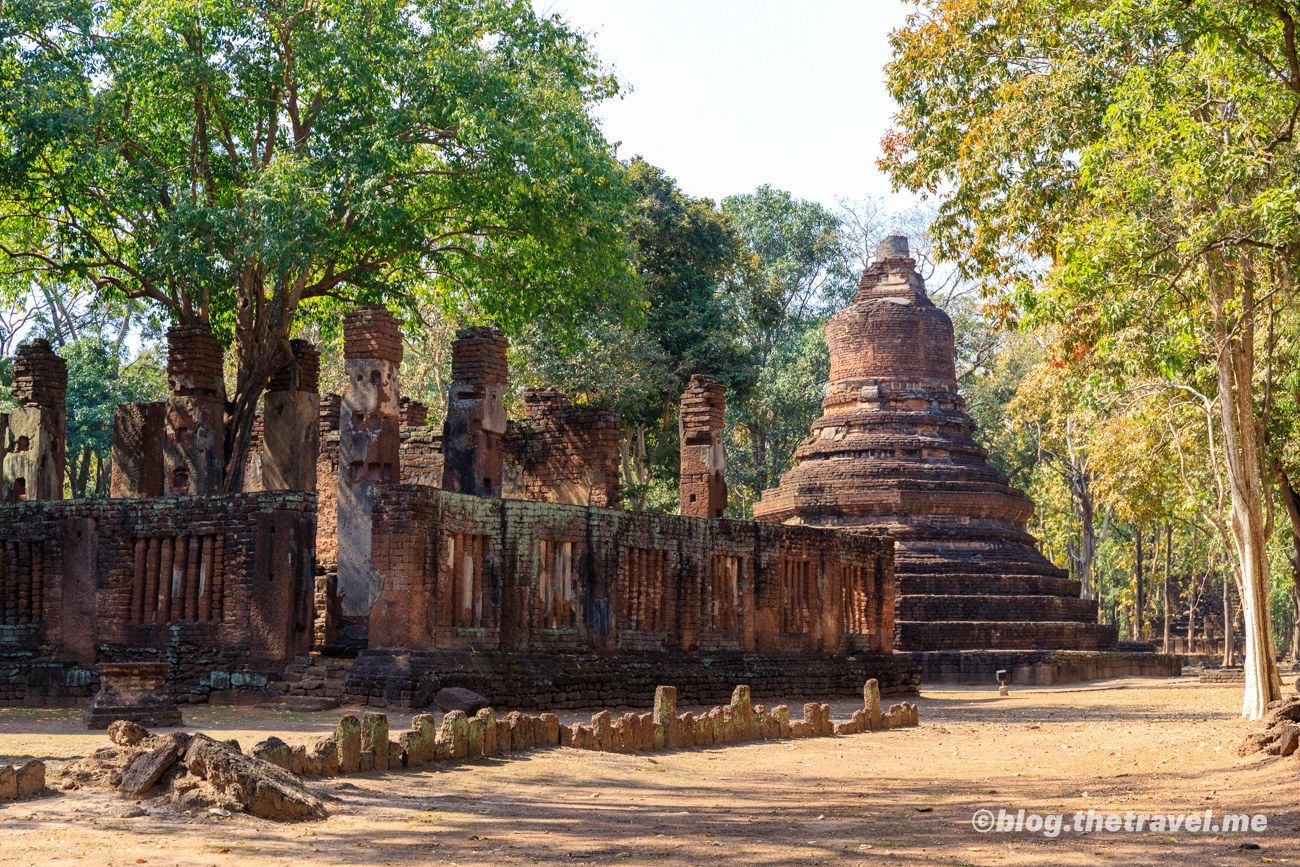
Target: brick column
[476,414]
[194,449]
[414,413]
[369,447]
[290,440]
[34,441]
[704,457]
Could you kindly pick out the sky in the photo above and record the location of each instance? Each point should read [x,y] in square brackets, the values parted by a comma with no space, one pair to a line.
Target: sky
[727,95]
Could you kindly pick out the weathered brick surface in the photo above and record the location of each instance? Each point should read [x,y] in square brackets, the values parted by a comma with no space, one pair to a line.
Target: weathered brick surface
[408,681]
[704,457]
[202,582]
[894,452]
[562,453]
[462,572]
[1041,667]
[194,447]
[476,415]
[33,443]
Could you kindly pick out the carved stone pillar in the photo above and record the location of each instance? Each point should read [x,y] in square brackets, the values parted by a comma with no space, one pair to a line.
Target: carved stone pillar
[194,449]
[476,414]
[34,442]
[369,447]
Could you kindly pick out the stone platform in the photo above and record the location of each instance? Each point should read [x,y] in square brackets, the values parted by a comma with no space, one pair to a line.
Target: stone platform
[1039,667]
[407,680]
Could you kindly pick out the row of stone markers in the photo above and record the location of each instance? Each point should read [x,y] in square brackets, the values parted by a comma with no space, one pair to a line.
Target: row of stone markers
[360,745]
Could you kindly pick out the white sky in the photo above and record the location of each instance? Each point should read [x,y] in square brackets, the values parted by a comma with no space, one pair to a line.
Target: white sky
[731,94]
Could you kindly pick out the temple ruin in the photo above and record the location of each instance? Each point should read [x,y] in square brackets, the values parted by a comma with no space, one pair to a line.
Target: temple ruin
[483,552]
[894,453]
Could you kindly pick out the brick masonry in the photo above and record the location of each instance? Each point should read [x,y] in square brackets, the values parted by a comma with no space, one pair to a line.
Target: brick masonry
[1041,667]
[562,453]
[462,573]
[33,444]
[218,584]
[565,681]
[894,453]
[704,456]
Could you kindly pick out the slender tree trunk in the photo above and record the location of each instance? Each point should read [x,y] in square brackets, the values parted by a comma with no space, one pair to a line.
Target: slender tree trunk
[1228,658]
[758,445]
[1168,602]
[1139,594]
[1234,332]
[1081,494]
[1291,501]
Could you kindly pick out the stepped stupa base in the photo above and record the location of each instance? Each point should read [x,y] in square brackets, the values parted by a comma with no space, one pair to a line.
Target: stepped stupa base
[1039,667]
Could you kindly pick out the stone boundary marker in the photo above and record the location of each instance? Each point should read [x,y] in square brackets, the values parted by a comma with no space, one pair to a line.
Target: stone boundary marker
[22,782]
[364,744]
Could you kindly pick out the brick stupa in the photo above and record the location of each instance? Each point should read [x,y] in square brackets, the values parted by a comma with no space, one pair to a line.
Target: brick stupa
[894,452]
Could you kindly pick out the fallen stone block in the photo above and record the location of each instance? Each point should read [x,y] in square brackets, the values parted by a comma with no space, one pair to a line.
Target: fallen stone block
[30,778]
[125,733]
[140,776]
[262,789]
[8,783]
[458,698]
[275,751]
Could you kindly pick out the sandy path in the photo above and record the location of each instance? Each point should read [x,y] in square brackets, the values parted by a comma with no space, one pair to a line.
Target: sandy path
[900,797]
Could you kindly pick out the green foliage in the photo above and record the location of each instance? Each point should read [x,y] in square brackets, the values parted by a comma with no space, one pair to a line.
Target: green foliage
[800,274]
[229,162]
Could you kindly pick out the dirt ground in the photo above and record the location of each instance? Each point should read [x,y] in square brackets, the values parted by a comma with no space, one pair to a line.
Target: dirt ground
[900,797]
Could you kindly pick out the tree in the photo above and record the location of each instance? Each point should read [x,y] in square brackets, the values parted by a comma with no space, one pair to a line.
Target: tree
[1127,171]
[801,275]
[686,256]
[231,162]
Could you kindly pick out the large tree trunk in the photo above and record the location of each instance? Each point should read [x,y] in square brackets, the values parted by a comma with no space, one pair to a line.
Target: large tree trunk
[261,348]
[1241,453]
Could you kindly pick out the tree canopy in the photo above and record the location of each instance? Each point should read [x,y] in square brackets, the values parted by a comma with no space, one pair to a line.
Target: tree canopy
[230,162]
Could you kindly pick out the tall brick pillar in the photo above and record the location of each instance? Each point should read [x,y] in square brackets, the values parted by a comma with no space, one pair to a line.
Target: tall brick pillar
[369,444]
[290,441]
[476,413]
[704,458]
[34,440]
[194,448]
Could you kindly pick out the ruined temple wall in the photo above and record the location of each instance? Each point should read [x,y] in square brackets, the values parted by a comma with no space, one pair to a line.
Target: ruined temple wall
[99,580]
[564,454]
[520,576]
[421,451]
